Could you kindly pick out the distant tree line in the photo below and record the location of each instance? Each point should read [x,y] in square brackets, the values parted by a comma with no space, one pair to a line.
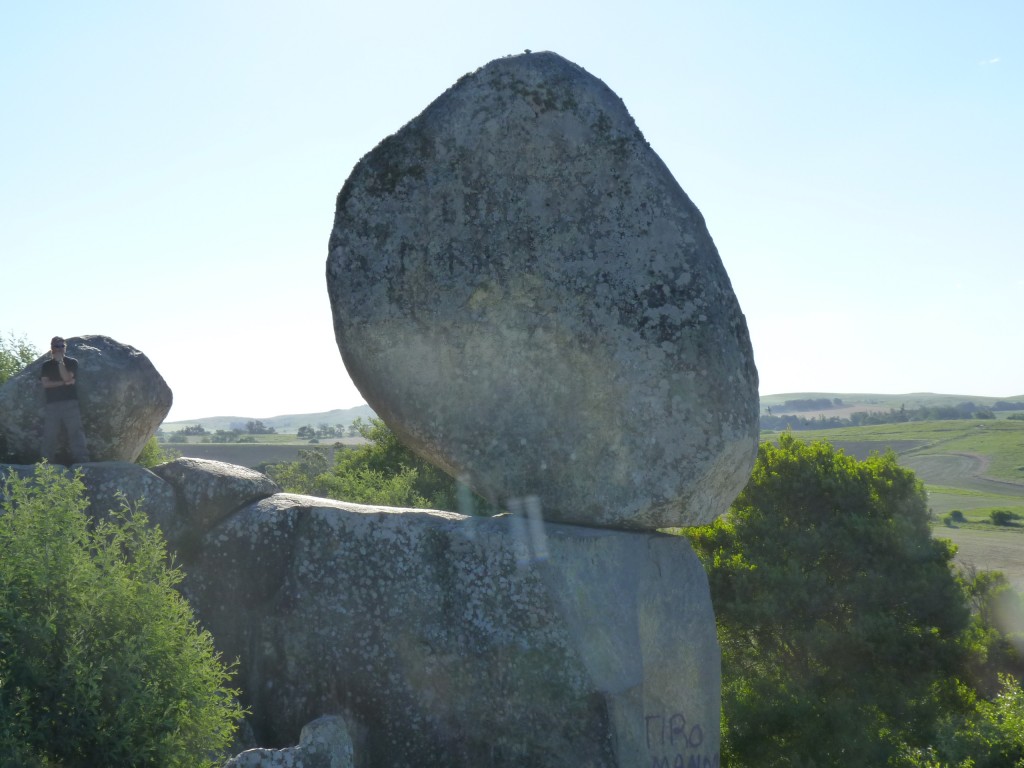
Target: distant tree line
[965,410]
[258,428]
[238,433]
[812,404]
[1006,405]
[323,431]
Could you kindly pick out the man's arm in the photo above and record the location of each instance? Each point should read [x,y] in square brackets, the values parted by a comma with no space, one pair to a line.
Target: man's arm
[66,377]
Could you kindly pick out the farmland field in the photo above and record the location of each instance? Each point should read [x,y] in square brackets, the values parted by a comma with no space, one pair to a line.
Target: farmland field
[971,466]
[991,550]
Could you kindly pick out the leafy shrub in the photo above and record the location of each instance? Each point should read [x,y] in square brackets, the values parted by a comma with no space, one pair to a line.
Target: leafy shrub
[15,354]
[101,660]
[383,471]
[954,518]
[153,453]
[1003,517]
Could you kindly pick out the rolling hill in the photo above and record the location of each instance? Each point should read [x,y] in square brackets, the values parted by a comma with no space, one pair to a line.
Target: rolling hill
[287,424]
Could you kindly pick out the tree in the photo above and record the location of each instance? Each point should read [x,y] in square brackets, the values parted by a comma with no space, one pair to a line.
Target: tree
[15,354]
[226,436]
[101,660]
[382,471]
[839,615]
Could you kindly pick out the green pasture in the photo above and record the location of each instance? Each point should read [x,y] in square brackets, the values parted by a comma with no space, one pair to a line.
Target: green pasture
[968,448]
[880,402]
[969,465]
[275,439]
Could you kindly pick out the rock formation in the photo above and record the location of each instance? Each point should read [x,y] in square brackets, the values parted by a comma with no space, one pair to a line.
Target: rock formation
[186,497]
[462,642]
[122,397]
[324,743]
[523,292]
[442,640]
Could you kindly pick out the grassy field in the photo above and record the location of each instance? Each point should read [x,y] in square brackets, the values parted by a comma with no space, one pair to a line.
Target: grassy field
[975,466]
[266,449]
[873,402]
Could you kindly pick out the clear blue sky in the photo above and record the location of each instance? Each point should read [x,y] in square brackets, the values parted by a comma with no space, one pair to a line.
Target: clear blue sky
[169,173]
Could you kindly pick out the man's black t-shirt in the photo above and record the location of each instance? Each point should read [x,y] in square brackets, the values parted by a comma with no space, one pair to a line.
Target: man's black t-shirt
[52,372]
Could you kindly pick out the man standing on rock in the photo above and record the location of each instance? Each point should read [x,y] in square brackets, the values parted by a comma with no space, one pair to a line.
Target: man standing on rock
[58,380]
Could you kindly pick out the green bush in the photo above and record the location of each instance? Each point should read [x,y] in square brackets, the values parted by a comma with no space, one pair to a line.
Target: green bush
[382,471]
[15,354]
[153,453]
[101,660]
[1003,517]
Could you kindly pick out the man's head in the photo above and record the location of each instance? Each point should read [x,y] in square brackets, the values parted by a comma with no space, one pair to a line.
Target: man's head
[58,345]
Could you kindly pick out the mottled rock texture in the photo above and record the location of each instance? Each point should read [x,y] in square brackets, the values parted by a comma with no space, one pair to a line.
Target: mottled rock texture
[443,640]
[461,642]
[523,292]
[186,497]
[323,743]
[122,397]
[211,490]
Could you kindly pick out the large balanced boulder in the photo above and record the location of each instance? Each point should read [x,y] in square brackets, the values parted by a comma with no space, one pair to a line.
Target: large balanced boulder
[523,292]
[456,642]
[122,397]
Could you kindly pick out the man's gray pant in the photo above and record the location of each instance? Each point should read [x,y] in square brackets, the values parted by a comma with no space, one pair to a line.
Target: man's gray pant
[64,413]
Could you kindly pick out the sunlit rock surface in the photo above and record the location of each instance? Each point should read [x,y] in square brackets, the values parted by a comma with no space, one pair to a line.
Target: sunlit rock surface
[122,397]
[445,641]
[456,642]
[523,292]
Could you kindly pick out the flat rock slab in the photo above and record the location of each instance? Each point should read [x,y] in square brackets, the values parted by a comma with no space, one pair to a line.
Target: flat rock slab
[523,292]
[457,642]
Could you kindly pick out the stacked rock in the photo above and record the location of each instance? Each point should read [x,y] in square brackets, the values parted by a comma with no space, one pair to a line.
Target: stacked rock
[526,296]
[523,292]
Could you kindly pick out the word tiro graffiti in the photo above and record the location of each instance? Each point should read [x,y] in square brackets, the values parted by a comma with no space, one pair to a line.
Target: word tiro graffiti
[674,743]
